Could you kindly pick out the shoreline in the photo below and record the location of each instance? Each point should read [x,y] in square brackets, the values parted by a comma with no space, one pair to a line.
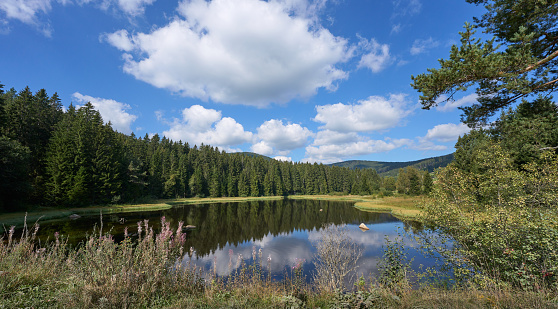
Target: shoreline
[407,209]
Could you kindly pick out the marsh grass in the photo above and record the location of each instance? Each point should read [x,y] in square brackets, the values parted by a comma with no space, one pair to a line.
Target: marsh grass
[153,270]
[404,207]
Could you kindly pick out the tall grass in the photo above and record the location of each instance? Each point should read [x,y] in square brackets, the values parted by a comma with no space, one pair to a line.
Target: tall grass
[152,270]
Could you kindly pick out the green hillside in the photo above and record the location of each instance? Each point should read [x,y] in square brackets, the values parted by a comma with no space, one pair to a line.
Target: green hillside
[255,155]
[392,168]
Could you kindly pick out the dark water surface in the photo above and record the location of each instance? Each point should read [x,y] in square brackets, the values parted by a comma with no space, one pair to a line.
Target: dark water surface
[284,230]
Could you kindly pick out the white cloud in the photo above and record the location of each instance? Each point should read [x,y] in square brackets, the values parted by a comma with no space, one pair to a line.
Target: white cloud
[426,145]
[118,39]
[373,114]
[241,52]
[28,12]
[443,133]
[453,104]
[328,137]
[309,9]
[111,110]
[283,137]
[283,158]
[131,8]
[199,118]
[277,138]
[331,153]
[377,58]
[200,125]
[262,148]
[134,7]
[447,132]
[25,10]
[421,46]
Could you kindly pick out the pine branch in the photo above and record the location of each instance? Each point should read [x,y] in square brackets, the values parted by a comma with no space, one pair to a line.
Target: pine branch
[542,62]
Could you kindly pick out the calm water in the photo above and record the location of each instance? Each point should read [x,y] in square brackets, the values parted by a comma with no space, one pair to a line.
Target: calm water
[284,230]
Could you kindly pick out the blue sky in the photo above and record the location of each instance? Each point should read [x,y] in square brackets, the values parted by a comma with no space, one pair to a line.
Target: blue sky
[301,80]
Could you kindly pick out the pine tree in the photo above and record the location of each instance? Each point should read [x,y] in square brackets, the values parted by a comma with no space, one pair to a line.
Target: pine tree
[521,64]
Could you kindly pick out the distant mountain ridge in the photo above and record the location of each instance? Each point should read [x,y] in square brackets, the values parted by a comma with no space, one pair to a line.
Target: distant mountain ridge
[392,168]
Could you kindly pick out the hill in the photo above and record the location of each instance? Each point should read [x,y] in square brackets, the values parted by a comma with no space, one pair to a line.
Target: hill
[392,168]
[254,155]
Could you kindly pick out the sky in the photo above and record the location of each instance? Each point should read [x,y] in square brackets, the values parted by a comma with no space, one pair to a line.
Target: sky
[299,80]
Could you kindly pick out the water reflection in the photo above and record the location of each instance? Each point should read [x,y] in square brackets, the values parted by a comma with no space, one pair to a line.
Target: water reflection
[284,231]
[285,249]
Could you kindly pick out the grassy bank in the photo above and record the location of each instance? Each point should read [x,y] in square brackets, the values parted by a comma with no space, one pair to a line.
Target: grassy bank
[403,207]
[46,213]
[406,207]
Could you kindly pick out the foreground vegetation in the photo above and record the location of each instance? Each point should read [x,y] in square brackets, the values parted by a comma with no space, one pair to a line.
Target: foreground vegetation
[152,270]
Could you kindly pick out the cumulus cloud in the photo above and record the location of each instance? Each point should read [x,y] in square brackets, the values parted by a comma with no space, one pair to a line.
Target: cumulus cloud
[421,46]
[453,104]
[110,110]
[447,132]
[373,114]
[377,55]
[240,52]
[426,145]
[283,158]
[328,137]
[119,39]
[200,125]
[262,148]
[331,153]
[443,133]
[274,137]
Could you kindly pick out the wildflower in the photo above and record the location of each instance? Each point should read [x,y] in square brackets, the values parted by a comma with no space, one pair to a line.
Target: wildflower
[239,261]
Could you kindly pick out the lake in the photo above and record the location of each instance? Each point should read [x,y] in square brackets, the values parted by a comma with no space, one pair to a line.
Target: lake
[284,230]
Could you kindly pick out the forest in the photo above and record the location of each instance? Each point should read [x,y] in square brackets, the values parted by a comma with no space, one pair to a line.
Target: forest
[67,158]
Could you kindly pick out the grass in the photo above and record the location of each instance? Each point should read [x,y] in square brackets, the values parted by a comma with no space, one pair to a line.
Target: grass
[403,207]
[212,200]
[400,206]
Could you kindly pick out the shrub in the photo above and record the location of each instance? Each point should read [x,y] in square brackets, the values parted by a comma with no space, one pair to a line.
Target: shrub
[336,259]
